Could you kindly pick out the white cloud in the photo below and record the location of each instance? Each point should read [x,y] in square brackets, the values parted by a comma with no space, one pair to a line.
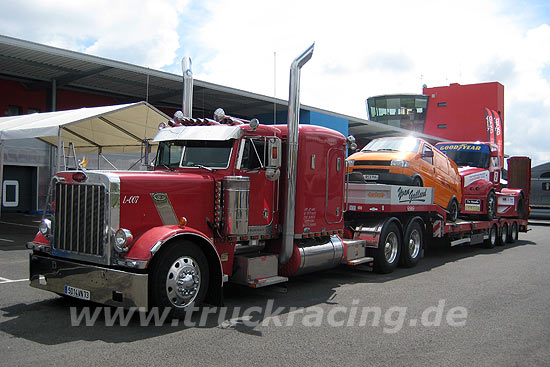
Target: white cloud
[363,48]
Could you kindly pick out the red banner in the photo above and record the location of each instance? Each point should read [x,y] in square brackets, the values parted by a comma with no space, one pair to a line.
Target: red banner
[498,132]
[490,125]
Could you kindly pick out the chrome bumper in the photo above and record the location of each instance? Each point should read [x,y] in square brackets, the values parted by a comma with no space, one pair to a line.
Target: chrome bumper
[106,286]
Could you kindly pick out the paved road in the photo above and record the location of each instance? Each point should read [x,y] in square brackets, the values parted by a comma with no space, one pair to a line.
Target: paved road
[494,308]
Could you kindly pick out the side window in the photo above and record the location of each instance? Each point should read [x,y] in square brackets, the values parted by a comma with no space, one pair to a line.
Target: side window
[427,150]
[253,156]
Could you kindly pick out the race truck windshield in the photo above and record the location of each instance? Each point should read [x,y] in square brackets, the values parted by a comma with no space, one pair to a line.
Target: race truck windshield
[209,154]
[407,144]
[467,155]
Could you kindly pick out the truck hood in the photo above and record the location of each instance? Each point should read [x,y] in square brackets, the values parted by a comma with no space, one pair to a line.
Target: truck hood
[381,156]
[472,174]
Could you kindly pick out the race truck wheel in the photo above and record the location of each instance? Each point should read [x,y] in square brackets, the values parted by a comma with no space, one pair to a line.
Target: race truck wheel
[179,278]
[493,235]
[453,211]
[491,206]
[413,242]
[521,207]
[386,256]
[513,237]
[503,235]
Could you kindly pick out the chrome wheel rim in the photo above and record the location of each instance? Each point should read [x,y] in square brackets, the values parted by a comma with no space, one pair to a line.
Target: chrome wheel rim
[390,247]
[183,281]
[491,206]
[414,244]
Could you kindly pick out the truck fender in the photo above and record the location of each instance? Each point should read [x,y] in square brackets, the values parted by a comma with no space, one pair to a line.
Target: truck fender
[372,228]
[155,240]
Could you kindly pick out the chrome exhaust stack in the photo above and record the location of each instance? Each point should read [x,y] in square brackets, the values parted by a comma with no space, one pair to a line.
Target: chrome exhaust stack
[187,103]
[292,154]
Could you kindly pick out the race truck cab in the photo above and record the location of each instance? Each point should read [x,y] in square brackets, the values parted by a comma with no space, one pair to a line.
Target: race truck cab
[480,167]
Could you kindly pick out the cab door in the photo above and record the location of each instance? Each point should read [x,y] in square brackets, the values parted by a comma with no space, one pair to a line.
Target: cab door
[251,163]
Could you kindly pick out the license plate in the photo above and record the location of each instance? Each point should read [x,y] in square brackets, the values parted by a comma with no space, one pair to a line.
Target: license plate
[371,177]
[473,205]
[77,293]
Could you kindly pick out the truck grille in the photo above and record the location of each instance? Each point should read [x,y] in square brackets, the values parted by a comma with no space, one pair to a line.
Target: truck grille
[79,218]
[372,163]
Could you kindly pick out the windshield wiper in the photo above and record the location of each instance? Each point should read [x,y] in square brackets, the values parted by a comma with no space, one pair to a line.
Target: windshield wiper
[168,168]
[200,166]
[387,150]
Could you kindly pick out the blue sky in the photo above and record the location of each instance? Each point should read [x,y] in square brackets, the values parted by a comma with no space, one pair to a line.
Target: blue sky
[363,48]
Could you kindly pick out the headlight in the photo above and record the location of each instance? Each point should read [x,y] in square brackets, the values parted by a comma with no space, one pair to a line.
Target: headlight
[123,237]
[45,226]
[399,163]
[351,162]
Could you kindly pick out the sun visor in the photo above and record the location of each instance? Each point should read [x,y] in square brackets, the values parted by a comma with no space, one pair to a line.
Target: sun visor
[217,132]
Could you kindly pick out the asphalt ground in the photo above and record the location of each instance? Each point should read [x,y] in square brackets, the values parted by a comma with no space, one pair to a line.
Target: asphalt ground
[493,307]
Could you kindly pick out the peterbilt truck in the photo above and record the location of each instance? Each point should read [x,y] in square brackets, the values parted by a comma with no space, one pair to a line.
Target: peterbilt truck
[231,200]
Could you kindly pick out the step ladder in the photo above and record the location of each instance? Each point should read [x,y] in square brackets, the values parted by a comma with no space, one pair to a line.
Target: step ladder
[69,153]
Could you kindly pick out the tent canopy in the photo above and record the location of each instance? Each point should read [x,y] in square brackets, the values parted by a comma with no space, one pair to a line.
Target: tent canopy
[107,129]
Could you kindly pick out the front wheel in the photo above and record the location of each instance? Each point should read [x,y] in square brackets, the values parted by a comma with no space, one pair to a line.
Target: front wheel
[491,206]
[179,278]
[387,254]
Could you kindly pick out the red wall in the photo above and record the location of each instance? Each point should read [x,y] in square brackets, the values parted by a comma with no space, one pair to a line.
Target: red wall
[13,93]
[464,114]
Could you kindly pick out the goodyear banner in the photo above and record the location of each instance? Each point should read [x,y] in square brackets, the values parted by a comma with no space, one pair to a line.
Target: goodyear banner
[459,147]
[498,132]
[490,125]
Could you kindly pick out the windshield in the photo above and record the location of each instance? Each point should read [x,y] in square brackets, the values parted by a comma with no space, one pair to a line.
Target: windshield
[467,155]
[211,154]
[393,144]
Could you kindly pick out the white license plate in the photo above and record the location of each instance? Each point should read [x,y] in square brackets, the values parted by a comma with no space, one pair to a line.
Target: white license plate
[77,292]
[473,205]
[371,177]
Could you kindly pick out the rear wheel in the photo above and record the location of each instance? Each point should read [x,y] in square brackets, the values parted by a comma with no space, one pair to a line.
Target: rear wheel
[453,211]
[503,235]
[493,235]
[387,254]
[491,206]
[514,234]
[521,207]
[417,181]
[413,243]
[179,278]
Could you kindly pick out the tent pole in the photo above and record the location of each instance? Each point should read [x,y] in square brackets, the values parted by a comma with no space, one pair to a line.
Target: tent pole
[1,175]
[59,148]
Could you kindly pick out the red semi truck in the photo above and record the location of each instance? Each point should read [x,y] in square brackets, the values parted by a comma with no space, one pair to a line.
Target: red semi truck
[233,200]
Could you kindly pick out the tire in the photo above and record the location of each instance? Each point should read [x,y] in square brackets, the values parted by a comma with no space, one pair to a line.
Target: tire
[514,234]
[386,256]
[413,243]
[417,181]
[453,211]
[493,236]
[503,235]
[491,206]
[184,260]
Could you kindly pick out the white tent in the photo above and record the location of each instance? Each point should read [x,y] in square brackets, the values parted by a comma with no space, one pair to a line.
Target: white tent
[109,129]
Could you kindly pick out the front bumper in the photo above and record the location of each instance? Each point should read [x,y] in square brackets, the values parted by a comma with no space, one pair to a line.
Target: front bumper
[389,178]
[106,286]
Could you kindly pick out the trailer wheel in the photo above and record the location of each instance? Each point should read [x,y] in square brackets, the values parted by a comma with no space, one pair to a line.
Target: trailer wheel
[503,235]
[387,254]
[413,243]
[179,278]
[514,234]
[491,206]
[493,235]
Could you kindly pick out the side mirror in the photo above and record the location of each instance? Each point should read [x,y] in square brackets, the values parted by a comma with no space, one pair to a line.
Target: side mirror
[274,153]
[428,154]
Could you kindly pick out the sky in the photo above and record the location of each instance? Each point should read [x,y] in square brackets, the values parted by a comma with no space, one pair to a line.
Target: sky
[362,48]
